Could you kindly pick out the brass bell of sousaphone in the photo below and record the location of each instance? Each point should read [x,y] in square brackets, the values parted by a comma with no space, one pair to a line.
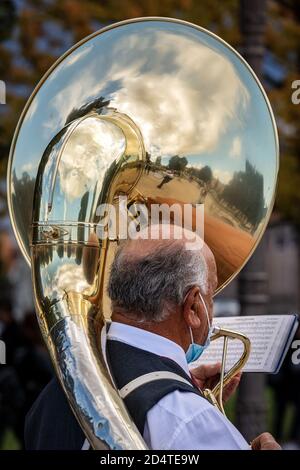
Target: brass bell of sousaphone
[152,110]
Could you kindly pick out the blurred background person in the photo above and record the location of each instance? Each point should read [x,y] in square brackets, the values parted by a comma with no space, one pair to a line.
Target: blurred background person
[28,367]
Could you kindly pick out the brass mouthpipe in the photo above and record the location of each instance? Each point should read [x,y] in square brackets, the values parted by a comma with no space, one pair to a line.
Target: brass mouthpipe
[216,394]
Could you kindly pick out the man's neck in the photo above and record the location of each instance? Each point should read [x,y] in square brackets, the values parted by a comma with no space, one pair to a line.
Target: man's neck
[171,330]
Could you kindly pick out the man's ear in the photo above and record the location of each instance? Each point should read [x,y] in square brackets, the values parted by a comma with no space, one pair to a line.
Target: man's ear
[192,308]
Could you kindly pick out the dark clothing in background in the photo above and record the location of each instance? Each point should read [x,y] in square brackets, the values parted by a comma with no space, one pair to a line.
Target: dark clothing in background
[28,369]
[286,386]
[51,424]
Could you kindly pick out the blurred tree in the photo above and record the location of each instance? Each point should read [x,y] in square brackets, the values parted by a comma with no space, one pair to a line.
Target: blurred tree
[283,43]
[7,22]
[177,163]
[204,174]
[245,186]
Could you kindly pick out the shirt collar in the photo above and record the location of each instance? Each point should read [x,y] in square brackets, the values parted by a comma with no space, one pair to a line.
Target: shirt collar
[147,341]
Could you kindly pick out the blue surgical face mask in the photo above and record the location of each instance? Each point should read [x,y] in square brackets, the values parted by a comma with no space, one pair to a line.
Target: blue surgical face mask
[195,350]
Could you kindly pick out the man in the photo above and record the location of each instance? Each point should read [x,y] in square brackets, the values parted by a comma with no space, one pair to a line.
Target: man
[162,299]
[161,293]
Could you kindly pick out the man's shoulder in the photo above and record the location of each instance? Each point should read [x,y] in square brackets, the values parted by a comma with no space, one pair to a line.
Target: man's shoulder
[183,406]
[184,420]
[171,418]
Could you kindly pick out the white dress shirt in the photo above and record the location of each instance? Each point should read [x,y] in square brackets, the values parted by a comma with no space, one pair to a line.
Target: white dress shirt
[180,420]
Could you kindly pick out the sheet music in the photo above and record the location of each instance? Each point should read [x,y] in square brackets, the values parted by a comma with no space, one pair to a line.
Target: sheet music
[268,335]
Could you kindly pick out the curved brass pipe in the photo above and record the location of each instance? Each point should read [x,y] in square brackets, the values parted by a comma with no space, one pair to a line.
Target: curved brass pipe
[68,262]
[215,396]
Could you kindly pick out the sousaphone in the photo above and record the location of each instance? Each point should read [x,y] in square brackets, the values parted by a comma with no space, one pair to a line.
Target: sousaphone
[154,110]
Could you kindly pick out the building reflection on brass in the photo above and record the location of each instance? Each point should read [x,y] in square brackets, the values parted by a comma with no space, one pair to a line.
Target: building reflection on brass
[155,110]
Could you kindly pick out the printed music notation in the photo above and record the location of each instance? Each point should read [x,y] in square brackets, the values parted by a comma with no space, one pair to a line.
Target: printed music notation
[270,337]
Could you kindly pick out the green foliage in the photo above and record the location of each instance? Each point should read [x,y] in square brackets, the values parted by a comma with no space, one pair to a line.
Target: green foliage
[10,442]
[283,40]
[288,194]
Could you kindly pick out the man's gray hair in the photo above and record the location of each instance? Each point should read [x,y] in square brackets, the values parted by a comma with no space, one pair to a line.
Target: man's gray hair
[147,288]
